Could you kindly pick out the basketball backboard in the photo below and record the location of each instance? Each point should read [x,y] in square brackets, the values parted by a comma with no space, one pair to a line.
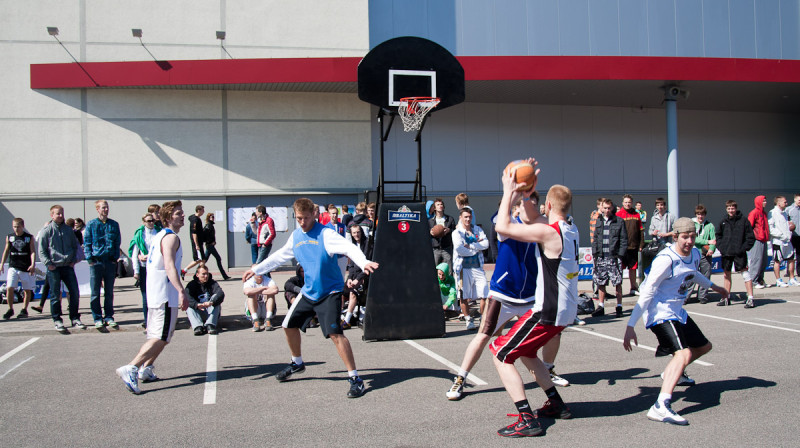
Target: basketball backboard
[410,67]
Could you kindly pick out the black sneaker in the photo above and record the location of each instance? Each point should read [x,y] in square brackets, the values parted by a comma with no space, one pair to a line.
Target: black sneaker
[552,409]
[525,426]
[199,331]
[291,369]
[356,387]
[212,329]
[22,314]
[600,311]
[60,327]
[8,314]
[619,311]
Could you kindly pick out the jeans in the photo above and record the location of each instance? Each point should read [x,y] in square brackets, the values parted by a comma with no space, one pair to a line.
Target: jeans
[263,253]
[208,316]
[64,274]
[705,269]
[211,250]
[254,252]
[143,289]
[105,272]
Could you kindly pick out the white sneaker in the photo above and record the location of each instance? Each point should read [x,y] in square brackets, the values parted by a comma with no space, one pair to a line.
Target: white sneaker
[579,321]
[129,377]
[470,324]
[664,413]
[684,380]
[759,285]
[456,389]
[557,380]
[781,284]
[794,282]
[147,375]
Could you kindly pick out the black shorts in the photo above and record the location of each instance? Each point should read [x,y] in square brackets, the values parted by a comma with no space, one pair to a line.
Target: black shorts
[630,260]
[739,261]
[327,310]
[195,255]
[673,336]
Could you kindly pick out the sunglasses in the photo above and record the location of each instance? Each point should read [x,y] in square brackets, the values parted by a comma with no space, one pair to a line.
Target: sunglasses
[149,220]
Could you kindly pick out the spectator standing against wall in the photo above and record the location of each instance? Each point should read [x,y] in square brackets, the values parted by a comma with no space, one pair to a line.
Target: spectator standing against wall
[265,234]
[793,211]
[757,255]
[442,246]
[20,252]
[101,246]
[706,243]
[138,251]
[58,249]
[735,240]
[250,235]
[635,230]
[780,230]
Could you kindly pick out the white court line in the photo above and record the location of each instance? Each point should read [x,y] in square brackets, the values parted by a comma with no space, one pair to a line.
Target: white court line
[12,369]
[776,321]
[18,349]
[444,361]
[702,363]
[745,322]
[210,394]
[790,301]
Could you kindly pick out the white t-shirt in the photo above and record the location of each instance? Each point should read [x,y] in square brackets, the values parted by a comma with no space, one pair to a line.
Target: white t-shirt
[251,283]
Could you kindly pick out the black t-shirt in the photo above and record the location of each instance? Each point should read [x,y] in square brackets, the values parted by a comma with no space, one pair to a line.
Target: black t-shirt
[20,256]
[196,228]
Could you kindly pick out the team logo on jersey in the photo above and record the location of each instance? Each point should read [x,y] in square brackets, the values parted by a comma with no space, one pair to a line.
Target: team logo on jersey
[404,214]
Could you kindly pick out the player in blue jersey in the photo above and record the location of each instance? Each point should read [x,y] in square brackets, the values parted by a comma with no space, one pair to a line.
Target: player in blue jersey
[316,247]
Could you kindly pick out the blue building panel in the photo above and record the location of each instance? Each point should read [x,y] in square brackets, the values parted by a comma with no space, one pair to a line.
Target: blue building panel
[442,24]
[604,28]
[381,18]
[716,29]
[768,29]
[511,28]
[661,28]
[573,27]
[689,27]
[790,29]
[742,29]
[410,18]
[542,27]
[633,28]
[477,31]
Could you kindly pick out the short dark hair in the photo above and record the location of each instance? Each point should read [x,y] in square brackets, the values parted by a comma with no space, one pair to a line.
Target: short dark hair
[167,208]
[778,198]
[627,196]
[730,202]
[661,201]
[198,208]
[700,209]
[19,221]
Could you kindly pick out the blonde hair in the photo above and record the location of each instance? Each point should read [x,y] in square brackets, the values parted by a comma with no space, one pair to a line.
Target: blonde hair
[560,198]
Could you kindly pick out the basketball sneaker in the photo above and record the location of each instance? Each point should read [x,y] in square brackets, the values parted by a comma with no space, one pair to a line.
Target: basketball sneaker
[525,426]
[456,389]
[557,380]
[147,375]
[289,370]
[662,412]
[794,282]
[684,380]
[470,323]
[356,387]
[749,303]
[554,409]
[781,284]
[129,377]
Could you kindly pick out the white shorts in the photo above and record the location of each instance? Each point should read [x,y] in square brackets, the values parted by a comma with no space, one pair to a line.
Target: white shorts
[24,277]
[473,284]
[161,322]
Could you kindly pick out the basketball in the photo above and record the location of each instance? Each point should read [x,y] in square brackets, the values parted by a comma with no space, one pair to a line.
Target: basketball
[437,231]
[524,172]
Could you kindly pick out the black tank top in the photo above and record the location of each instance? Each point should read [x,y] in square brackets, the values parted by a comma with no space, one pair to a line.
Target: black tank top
[20,258]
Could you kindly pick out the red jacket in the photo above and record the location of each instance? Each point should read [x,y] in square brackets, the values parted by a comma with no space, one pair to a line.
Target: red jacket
[758,220]
[266,232]
[634,227]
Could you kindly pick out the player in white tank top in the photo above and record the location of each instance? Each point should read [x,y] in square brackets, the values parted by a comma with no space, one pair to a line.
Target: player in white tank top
[159,289]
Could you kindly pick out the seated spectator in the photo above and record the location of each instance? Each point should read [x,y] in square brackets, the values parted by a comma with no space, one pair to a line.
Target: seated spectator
[205,297]
[356,283]
[258,309]
[447,288]
[293,287]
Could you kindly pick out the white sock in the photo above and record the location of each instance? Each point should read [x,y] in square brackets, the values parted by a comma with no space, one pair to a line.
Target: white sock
[297,360]
[348,316]
[662,398]
[548,365]
[353,373]
[270,314]
[463,373]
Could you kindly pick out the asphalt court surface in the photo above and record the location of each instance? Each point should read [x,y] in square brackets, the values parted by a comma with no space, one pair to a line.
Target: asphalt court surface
[62,390]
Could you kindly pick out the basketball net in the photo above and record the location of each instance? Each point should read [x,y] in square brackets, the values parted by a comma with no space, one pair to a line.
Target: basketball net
[412,111]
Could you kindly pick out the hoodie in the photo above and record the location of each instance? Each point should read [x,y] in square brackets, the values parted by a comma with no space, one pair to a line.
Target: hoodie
[734,235]
[447,287]
[758,220]
[209,291]
[779,227]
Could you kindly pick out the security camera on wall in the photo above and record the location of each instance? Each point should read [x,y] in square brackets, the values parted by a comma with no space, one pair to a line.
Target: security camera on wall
[675,92]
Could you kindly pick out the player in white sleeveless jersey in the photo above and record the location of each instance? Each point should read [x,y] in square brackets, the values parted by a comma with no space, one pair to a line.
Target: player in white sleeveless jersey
[672,275]
[556,305]
[165,295]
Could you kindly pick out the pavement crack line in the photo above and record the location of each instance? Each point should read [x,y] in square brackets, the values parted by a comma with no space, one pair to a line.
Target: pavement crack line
[18,349]
[210,394]
[12,369]
[474,379]
[600,335]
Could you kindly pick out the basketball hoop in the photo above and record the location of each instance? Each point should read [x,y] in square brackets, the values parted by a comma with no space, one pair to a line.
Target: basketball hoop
[412,111]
